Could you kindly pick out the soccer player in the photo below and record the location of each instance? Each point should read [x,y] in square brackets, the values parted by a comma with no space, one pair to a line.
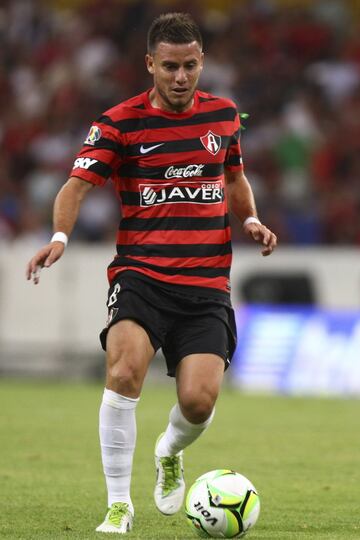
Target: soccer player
[173,154]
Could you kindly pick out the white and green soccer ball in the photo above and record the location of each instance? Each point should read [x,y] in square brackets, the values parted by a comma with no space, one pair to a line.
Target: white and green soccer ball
[222,504]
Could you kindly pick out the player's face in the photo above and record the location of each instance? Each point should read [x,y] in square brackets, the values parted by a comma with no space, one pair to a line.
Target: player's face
[176,69]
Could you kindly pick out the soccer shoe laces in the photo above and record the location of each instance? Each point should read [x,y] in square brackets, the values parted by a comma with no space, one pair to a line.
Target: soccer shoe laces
[172,473]
[117,512]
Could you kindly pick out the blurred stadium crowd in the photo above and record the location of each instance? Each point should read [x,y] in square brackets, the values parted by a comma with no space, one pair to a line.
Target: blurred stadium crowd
[295,71]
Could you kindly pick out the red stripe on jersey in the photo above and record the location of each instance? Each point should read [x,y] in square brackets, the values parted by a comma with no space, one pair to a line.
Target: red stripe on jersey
[88,176]
[194,156]
[175,210]
[102,154]
[214,236]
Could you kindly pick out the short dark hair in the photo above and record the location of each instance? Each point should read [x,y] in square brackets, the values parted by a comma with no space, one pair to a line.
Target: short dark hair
[173,28]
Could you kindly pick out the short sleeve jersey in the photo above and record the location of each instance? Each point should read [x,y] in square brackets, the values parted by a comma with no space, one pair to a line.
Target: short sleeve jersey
[168,169]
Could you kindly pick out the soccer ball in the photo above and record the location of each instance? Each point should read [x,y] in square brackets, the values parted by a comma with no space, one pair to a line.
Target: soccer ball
[222,504]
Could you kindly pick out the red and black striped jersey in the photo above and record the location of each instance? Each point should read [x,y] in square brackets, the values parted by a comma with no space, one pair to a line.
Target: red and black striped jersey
[168,169]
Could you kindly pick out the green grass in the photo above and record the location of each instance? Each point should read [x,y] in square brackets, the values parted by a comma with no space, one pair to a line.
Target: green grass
[302,455]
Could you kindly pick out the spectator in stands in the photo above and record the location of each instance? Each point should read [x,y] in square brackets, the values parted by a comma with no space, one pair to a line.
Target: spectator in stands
[295,71]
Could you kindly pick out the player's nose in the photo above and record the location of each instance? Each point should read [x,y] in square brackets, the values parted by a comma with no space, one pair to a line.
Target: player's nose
[181,77]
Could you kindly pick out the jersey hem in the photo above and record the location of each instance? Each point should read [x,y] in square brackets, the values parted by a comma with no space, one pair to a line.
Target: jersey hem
[88,177]
[191,290]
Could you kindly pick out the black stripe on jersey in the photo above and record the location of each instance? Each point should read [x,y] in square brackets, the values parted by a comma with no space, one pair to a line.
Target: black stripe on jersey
[227,114]
[234,160]
[141,106]
[235,138]
[175,250]
[124,125]
[170,147]
[199,271]
[100,168]
[108,144]
[130,170]
[174,223]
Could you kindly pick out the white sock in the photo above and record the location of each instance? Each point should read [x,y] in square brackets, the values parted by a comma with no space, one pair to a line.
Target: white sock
[180,433]
[117,430]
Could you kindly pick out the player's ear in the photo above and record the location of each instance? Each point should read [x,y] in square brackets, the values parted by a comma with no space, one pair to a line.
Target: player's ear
[149,63]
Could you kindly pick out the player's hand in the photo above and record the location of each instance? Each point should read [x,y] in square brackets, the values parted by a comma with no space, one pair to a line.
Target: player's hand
[262,235]
[45,257]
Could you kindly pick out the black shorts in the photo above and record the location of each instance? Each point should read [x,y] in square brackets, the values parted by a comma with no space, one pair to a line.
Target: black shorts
[179,323]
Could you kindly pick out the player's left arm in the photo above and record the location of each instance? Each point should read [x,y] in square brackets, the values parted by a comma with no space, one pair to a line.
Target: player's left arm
[241,202]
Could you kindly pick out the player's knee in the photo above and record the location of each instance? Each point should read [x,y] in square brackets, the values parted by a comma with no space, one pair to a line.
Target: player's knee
[197,407]
[124,377]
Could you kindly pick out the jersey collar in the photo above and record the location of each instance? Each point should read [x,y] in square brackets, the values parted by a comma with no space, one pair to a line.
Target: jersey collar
[168,114]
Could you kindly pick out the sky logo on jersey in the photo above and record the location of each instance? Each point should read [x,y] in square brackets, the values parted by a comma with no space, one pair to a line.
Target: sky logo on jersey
[93,136]
[191,192]
[211,142]
[84,163]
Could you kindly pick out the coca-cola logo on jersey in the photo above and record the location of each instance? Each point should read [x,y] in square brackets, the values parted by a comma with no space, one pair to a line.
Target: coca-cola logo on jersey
[184,172]
[191,192]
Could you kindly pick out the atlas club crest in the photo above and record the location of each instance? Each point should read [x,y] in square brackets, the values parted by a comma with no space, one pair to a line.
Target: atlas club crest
[211,142]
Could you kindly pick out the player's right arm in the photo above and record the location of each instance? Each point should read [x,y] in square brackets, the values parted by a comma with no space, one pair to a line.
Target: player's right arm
[66,210]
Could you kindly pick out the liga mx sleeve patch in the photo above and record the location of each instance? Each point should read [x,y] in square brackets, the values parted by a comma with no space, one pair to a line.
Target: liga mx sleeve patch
[93,136]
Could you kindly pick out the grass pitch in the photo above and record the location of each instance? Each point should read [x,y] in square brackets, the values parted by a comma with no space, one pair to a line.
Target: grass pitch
[302,455]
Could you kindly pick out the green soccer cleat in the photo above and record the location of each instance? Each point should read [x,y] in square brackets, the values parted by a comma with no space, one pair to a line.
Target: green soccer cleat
[118,520]
[170,486]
